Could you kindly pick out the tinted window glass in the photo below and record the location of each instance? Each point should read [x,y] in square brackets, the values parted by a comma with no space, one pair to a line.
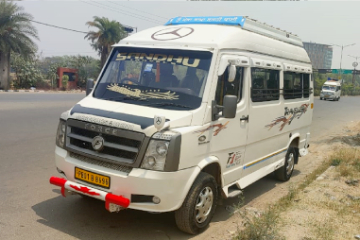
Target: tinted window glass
[306,81]
[265,84]
[226,88]
[292,85]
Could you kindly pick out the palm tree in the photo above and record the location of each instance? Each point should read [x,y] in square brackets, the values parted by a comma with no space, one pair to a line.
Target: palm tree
[109,33]
[16,32]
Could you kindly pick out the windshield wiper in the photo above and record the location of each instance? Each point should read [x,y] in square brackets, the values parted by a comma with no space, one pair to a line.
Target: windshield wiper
[167,104]
[127,98]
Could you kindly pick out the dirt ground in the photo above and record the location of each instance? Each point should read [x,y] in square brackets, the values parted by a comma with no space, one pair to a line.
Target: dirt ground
[329,208]
[299,222]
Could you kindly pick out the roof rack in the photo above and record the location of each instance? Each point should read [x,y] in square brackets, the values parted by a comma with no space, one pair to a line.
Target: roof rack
[245,23]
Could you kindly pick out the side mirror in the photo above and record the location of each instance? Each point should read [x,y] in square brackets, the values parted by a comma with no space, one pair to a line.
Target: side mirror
[230,103]
[228,109]
[89,86]
[232,73]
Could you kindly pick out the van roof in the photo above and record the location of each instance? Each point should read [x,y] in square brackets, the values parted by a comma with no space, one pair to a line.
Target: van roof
[332,83]
[246,23]
[241,33]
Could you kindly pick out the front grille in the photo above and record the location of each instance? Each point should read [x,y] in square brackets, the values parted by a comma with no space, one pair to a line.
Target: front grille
[93,161]
[119,146]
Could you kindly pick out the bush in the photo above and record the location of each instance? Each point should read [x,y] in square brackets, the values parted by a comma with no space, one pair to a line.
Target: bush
[65,80]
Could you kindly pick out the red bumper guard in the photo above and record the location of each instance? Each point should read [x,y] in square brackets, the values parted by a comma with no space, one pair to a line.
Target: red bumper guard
[112,202]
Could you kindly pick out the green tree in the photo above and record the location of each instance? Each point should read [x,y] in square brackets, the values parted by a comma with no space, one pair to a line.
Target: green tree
[52,74]
[65,80]
[26,70]
[108,33]
[16,33]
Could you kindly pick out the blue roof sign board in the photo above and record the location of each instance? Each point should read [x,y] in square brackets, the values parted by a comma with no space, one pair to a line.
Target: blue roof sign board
[224,20]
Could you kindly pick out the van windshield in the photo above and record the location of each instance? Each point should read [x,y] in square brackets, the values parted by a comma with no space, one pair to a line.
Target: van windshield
[163,78]
[329,88]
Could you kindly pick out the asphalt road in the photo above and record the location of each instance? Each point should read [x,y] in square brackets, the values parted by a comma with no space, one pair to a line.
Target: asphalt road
[31,208]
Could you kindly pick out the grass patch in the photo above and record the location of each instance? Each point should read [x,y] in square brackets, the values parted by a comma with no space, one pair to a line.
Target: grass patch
[324,231]
[260,228]
[265,226]
[349,164]
[335,162]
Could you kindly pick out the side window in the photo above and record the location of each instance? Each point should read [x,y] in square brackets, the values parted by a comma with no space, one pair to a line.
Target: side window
[265,85]
[292,85]
[226,88]
[306,84]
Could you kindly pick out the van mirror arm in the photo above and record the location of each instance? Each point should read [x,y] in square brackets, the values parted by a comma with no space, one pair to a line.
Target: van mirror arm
[215,110]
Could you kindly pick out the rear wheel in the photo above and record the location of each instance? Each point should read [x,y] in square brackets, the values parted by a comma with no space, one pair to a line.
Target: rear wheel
[321,98]
[284,173]
[199,206]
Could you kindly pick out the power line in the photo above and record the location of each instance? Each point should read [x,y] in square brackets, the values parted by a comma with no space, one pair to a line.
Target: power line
[111,8]
[115,3]
[127,12]
[54,26]
[106,7]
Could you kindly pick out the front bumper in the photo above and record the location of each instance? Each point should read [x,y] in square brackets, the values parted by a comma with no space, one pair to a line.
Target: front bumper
[327,96]
[170,187]
[113,203]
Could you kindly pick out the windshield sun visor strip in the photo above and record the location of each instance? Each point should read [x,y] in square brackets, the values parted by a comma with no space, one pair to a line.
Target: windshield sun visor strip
[144,122]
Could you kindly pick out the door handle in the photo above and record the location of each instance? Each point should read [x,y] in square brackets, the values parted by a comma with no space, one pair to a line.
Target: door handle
[244,118]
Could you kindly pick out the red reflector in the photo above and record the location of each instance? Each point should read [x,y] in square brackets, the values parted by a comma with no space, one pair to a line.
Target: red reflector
[58,181]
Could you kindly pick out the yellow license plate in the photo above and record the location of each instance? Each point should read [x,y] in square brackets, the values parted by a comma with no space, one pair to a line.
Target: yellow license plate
[93,178]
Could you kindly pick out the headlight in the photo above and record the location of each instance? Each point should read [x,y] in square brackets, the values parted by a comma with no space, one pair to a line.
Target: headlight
[163,152]
[155,156]
[60,134]
[162,148]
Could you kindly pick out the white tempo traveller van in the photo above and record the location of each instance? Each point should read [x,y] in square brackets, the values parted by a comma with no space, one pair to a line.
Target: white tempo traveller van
[187,113]
[331,90]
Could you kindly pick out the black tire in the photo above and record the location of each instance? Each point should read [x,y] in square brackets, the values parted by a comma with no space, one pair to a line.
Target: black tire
[186,215]
[338,99]
[284,173]
[321,98]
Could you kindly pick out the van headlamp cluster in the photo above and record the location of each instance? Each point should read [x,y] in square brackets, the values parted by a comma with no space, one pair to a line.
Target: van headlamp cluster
[155,156]
[60,134]
[157,153]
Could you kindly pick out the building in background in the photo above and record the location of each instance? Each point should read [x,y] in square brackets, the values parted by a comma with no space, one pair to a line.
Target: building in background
[320,54]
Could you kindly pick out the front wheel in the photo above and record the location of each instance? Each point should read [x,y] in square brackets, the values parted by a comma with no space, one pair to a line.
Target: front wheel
[199,205]
[284,173]
[321,98]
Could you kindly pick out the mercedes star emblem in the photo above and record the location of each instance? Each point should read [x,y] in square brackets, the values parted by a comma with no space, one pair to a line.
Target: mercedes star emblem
[158,121]
[172,33]
[97,143]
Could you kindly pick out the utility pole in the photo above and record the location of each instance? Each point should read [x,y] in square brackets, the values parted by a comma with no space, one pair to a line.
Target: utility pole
[342,48]
[354,64]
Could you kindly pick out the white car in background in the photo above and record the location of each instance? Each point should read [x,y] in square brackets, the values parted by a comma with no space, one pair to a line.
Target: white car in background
[331,90]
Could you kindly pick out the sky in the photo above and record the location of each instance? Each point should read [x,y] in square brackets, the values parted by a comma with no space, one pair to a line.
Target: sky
[327,22]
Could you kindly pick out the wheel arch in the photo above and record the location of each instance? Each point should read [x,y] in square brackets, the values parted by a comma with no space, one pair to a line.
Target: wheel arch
[211,165]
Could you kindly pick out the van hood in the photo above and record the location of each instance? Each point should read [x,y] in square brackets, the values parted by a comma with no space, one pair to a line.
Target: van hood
[129,116]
